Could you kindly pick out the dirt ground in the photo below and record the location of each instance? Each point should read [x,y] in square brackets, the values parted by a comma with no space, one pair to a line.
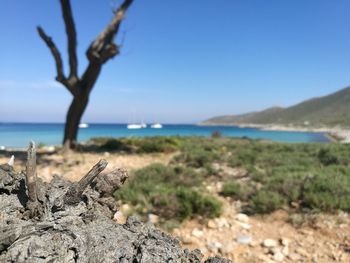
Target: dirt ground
[242,238]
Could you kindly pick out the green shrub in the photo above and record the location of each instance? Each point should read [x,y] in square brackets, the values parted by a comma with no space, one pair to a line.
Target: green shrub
[115,145]
[173,193]
[157,145]
[266,201]
[326,157]
[328,190]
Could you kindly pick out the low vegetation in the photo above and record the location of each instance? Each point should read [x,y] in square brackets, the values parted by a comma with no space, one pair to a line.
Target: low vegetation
[174,193]
[155,144]
[265,176]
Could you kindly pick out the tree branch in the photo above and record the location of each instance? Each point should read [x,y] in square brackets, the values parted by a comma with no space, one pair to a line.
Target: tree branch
[55,53]
[75,191]
[58,60]
[103,48]
[72,38]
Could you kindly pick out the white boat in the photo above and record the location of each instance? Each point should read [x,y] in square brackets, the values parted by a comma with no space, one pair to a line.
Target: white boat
[83,125]
[156,126]
[134,126]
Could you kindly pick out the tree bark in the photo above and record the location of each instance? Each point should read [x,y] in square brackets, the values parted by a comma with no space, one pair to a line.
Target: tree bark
[74,114]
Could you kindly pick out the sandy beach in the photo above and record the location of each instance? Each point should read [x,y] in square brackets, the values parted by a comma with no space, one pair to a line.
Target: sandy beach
[336,134]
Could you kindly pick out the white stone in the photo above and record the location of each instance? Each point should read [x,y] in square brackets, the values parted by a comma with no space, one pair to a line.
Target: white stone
[270,243]
[154,219]
[285,241]
[294,257]
[214,246]
[197,233]
[221,222]
[119,217]
[245,225]
[242,218]
[212,224]
[125,208]
[244,240]
[279,257]
[11,161]
[285,250]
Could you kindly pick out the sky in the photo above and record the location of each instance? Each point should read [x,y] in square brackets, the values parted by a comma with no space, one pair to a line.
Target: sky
[182,61]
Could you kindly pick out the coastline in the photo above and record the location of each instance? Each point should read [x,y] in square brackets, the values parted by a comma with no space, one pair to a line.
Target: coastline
[334,134]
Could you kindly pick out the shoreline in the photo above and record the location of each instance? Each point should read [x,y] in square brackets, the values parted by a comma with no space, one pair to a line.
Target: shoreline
[335,134]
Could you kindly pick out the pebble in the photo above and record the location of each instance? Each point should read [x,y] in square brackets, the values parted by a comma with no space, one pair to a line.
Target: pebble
[227,249]
[242,218]
[285,241]
[294,257]
[125,208]
[197,233]
[119,217]
[285,250]
[301,251]
[187,240]
[270,243]
[244,240]
[154,219]
[212,224]
[214,246]
[245,225]
[221,222]
[278,256]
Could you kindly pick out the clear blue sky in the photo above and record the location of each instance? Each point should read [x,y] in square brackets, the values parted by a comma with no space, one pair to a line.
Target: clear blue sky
[182,60]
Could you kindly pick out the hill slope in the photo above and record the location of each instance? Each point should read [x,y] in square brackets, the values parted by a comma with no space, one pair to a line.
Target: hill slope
[330,110]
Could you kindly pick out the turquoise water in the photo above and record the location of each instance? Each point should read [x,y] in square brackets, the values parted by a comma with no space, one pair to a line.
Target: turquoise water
[18,134]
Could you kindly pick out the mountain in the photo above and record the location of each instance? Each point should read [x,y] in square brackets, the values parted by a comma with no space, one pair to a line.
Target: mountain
[330,110]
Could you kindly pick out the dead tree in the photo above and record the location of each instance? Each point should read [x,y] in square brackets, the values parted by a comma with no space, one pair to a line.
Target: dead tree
[98,53]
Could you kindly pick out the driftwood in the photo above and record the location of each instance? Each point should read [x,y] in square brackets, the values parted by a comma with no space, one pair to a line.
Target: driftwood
[65,222]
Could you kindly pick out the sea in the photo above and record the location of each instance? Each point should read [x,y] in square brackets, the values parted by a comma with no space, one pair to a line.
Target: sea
[17,135]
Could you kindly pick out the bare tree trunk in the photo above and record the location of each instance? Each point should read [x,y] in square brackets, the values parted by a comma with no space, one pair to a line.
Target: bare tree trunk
[74,114]
[98,53]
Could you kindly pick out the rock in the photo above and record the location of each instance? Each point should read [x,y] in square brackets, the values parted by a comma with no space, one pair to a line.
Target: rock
[221,222]
[301,251]
[197,233]
[154,219]
[187,240]
[294,257]
[219,186]
[212,224]
[125,208]
[244,240]
[242,218]
[278,256]
[245,225]
[268,243]
[228,248]
[285,241]
[285,250]
[214,246]
[119,217]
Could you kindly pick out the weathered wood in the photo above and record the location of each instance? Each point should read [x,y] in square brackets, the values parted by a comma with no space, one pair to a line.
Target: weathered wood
[31,172]
[31,180]
[75,191]
[11,162]
[83,233]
